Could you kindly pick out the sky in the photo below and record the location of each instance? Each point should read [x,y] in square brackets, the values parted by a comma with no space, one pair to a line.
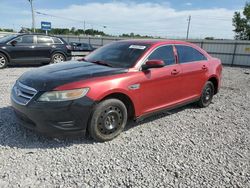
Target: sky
[167,18]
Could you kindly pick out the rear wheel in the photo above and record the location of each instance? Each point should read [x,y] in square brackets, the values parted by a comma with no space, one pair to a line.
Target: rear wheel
[207,95]
[57,58]
[3,61]
[108,120]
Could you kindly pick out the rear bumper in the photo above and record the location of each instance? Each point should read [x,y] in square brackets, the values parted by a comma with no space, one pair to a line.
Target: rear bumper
[55,119]
[68,55]
[68,58]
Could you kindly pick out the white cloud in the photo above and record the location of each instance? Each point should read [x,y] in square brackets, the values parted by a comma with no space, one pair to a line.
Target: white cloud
[143,18]
[188,4]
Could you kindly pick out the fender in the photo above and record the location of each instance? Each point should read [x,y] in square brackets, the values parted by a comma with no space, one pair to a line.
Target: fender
[6,54]
[57,51]
[134,98]
[112,91]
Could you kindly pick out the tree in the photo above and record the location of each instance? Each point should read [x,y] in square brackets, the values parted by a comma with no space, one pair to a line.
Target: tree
[242,24]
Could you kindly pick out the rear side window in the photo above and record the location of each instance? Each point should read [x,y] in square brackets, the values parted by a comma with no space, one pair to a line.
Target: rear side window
[44,40]
[26,39]
[188,54]
[164,53]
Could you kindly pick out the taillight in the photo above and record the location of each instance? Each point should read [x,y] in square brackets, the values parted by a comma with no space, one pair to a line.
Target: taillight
[69,47]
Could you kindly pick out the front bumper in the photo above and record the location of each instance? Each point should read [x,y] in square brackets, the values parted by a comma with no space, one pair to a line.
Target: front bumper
[54,118]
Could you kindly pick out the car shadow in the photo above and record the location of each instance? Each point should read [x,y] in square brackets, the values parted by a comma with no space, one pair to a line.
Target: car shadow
[132,124]
[14,135]
[25,65]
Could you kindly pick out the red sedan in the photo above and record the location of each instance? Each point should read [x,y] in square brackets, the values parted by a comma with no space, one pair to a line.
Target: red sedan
[125,79]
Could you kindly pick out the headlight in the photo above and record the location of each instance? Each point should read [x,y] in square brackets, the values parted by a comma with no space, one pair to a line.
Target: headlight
[66,95]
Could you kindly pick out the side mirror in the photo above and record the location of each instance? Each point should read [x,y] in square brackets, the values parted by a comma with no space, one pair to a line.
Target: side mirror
[13,43]
[153,64]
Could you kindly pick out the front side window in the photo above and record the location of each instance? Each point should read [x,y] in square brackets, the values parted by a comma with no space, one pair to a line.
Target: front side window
[164,53]
[26,39]
[188,54]
[44,40]
[7,38]
[119,54]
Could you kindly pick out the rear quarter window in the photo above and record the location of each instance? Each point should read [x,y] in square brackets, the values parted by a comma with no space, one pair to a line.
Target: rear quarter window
[57,40]
[188,54]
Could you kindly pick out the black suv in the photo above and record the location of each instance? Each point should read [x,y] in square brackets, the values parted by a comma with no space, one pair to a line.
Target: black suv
[33,48]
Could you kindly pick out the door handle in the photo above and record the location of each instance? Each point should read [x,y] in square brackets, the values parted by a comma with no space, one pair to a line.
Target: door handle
[32,47]
[204,67]
[175,72]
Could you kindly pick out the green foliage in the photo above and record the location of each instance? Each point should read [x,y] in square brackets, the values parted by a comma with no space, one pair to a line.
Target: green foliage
[132,35]
[6,30]
[61,31]
[209,38]
[242,24]
[74,31]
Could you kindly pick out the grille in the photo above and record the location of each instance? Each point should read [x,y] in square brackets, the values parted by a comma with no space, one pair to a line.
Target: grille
[22,94]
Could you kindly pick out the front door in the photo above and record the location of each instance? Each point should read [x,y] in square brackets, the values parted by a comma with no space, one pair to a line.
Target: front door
[160,87]
[23,50]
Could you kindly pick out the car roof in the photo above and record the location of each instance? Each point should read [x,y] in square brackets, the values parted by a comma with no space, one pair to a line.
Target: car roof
[156,41]
[22,34]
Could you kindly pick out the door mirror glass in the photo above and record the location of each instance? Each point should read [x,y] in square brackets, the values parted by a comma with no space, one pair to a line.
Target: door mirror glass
[153,64]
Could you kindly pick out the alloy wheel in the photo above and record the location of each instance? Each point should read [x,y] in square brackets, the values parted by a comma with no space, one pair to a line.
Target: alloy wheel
[58,58]
[2,61]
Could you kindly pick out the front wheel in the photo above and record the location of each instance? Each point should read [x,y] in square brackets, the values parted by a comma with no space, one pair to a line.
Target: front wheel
[207,95]
[57,58]
[108,120]
[3,61]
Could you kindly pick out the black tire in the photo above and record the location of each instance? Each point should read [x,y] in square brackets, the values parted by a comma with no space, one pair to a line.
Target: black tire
[108,120]
[57,58]
[3,61]
[207,95]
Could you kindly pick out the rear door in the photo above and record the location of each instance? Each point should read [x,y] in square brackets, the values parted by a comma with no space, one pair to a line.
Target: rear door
[23,51]
[160,87]
[43,48]
[194,71]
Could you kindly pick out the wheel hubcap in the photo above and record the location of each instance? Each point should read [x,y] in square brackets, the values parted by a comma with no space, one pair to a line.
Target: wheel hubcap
[2,61]
[58,58]
[110,120]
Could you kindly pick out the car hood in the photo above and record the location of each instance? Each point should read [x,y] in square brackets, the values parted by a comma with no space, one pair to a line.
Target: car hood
[49,77]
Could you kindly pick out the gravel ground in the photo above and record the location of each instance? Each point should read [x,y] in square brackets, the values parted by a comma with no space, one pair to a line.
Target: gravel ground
[189,147]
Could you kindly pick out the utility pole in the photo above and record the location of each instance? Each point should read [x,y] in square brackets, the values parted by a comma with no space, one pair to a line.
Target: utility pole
[33,15]
[84,27]
[188,29]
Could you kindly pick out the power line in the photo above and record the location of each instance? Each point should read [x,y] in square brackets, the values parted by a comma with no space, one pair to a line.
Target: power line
[61,17]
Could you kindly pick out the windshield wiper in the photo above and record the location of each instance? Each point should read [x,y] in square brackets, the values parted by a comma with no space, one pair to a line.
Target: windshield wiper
[99,62]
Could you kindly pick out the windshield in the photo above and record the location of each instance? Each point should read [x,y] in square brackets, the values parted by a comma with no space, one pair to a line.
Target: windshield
[6,38]
[118,54]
